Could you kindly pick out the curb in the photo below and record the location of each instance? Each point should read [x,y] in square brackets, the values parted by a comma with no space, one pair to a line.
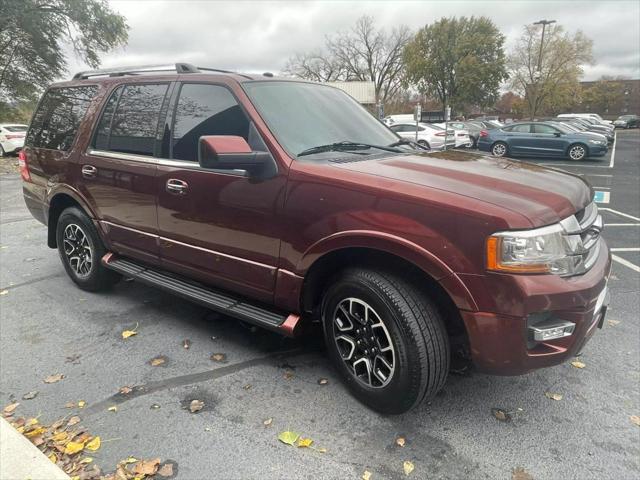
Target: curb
[20,459]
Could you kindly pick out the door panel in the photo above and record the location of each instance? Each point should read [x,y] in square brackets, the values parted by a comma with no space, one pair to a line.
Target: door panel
[547,143]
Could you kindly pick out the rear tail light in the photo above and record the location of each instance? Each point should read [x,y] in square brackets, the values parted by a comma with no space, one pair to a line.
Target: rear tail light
[484,133]
[462,134]
[24,166]
[12,137]
[440,134]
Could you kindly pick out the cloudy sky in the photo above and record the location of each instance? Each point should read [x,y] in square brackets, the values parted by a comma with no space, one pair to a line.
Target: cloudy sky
[260,36]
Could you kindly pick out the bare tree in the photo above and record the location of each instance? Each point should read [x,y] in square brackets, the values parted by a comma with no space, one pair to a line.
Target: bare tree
[363,53]
[556,83]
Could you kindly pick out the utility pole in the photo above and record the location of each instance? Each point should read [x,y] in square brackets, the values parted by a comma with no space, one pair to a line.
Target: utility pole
[538,73]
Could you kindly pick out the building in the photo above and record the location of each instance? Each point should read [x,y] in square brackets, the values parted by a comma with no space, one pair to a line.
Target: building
[624,100]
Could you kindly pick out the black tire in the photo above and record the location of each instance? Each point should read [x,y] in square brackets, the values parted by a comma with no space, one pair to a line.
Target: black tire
[424,143]
[412,326]
[2,152]
[499,149]
[577,152]
[73,227]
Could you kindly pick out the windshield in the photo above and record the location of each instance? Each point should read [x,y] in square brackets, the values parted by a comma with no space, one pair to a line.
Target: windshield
[306,115]
[15,128]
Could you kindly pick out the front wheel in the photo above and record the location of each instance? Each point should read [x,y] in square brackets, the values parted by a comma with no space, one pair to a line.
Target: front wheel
[81,250]
[577,152]
[499,149]
[386,339]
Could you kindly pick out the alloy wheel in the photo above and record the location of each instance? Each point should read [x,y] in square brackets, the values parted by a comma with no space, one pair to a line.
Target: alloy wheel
[78,250]
[499,149]
[577,152]
[363,342]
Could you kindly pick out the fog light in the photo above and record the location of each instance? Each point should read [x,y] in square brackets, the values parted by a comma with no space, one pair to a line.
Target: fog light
[551,331]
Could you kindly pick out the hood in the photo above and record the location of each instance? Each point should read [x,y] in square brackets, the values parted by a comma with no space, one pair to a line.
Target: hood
[542,195]
[593,135]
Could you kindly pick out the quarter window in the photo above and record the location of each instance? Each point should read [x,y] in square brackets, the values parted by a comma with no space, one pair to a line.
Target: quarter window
[541,128]
[57,119]
[205,110]
[129,121]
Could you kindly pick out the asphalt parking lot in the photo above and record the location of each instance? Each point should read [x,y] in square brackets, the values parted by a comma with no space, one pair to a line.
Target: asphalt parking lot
[48,326]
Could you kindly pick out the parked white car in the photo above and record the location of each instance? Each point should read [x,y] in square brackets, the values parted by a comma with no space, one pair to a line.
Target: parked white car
[11,137]
[461,135]
[401,118]
[595,116]
[429,135]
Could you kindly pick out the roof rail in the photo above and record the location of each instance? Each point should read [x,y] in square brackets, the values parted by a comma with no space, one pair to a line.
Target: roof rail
[119,71]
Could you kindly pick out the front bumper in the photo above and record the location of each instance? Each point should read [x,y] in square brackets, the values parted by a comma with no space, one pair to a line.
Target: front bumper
[502,341]
[11,146]
[598,150]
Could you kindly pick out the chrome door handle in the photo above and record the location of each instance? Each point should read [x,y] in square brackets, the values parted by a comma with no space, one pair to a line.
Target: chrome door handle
[89,171]
[177,187]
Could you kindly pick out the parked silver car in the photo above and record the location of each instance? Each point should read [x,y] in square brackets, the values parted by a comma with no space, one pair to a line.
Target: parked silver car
[429,135]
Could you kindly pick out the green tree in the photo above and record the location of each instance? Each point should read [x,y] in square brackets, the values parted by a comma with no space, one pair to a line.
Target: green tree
[460,61]
[602,95]
[33,34]
[555,85]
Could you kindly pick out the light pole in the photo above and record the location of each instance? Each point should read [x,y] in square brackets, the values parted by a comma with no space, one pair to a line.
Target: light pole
[538,73]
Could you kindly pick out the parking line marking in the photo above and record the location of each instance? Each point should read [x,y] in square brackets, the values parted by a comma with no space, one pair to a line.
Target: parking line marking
[613,149]
[607,209]
[626,263]
[625,249]
[622,224]
[601,197]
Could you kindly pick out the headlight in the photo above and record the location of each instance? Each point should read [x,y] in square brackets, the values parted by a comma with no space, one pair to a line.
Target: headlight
[542,250]
[597,142]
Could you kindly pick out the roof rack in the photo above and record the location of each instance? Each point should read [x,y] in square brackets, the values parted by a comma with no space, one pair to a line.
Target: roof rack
[119,71]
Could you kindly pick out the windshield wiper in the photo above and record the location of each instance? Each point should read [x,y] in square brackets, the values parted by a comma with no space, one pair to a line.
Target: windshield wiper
[345,147]
[406,141]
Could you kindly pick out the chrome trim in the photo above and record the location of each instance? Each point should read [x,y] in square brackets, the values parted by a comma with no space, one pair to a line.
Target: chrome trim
[129,228]
[540,329]
[123,156]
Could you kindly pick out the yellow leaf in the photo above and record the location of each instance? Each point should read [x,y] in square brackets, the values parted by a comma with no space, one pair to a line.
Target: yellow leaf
[408,467]
[94,444]
[35,432]
[635,420]
[54,378]
[113,409]
[53,458]
[157,361]
[553,396]
[86,460]
[304,442]
[578,364]
[366,475]
[128,333]
[73,447]
[31,421]
[131,460]
[81,404]
[58,437]
[400,441]
[75,477]
[321,450]
[288,437]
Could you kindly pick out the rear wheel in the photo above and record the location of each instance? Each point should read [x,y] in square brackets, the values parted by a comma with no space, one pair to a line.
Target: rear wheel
[386,339]
[424,143]
[2,152]
[499,149]
[577,152]
[81,250]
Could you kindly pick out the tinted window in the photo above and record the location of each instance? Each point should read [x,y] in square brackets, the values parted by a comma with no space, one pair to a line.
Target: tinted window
[16,128]
[542,128]
[205,110]
[520,128]
[130,119]
[396,128]
[56,121]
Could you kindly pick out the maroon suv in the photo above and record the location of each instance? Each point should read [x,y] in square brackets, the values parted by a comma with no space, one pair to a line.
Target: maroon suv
[280,202]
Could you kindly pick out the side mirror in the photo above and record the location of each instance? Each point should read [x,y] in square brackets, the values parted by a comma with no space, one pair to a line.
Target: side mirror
[228,152]
[557,134]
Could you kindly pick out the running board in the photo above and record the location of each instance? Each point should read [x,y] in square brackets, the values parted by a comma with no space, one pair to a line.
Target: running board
[214,299]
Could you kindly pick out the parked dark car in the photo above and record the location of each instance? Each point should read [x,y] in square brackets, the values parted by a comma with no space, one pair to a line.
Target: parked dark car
[283,202]
[541,139]
[627,121]
[592,126]
[585,127]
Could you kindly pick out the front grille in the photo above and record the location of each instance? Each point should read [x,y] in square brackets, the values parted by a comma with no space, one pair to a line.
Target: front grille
[587,224]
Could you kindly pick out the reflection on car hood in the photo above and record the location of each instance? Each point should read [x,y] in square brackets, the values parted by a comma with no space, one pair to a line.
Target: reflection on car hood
[543,195]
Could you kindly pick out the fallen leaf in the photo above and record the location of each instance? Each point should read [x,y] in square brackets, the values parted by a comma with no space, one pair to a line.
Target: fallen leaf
[130,460]
[60,436]
[501,414]
[613,323]
[93,445]
[323,381]
[154,406]
[113,408]
[218,357]
[288,375]
[35,432]
[73,420]
[54,378]
[408,467]
[321,450]
[86,460]
[166,470]
[268,422]
[10,408]
[635,419]
[30,395]
[304,442]
[69,405]
[553,396]
[73,447]
[288,437]
[247,386]
[366,475]
[125,390]
[81,404]
[400,441]
[128,333]
[196,406]
[578,364]
[186,343]
[37,441]
[519,473]
[157,361]
[53,457]
[146,467]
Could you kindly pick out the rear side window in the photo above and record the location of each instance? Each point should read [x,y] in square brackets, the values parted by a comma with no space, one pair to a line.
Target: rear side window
[520,128]
[57,119]
[130,118]
[541,128]
[205,110]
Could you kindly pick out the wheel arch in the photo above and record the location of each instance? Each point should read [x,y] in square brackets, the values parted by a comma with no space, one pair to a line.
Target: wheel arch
[58,202]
